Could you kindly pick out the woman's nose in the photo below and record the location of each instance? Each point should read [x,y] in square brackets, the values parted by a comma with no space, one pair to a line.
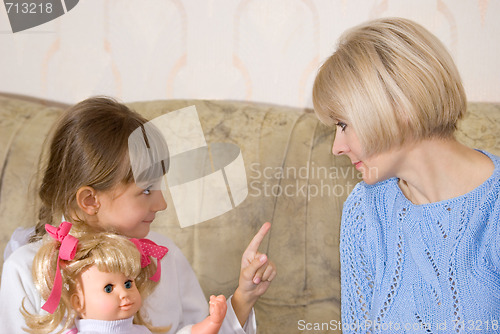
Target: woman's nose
[339,146]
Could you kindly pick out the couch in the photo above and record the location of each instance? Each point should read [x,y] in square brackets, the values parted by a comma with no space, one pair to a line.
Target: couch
[293,181]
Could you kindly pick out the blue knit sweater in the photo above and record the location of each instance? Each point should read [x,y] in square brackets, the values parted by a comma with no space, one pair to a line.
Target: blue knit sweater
[432,268]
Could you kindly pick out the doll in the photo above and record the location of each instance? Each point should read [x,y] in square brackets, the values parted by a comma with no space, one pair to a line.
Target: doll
[99,284]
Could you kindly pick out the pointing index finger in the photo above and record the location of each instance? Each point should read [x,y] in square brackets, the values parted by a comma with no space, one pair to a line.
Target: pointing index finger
[253,246]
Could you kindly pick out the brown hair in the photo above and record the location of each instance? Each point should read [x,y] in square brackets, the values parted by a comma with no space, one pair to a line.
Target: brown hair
[393,82]
[88,148]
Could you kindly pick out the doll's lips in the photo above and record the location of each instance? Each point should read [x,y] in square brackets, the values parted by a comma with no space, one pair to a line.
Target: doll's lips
[126,307]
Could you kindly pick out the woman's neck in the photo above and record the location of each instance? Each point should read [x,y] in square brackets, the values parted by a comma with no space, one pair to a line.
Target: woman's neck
[435,170]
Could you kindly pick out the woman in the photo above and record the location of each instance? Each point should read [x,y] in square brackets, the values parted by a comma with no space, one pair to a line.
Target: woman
[420,236]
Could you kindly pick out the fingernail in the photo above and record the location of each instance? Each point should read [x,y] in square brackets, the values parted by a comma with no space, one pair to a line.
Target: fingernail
[262,258]
[256,280]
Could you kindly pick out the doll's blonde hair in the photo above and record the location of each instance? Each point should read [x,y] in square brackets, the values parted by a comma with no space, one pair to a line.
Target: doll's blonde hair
[394,82]
[109,253]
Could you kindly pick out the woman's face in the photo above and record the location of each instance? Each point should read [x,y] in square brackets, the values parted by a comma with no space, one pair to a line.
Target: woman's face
[374,168]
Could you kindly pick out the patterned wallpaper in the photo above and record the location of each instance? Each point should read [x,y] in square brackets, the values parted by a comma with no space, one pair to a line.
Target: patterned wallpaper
[257,50]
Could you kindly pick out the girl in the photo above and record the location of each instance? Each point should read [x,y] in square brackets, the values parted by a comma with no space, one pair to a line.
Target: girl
[420,236]
[88,180]
[101,284]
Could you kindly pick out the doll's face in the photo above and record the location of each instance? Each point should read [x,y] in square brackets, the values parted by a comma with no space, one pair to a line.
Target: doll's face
[106,296]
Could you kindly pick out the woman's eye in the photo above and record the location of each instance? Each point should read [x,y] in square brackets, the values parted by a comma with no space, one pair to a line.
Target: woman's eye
[342,125]
[128,284]
[108,288]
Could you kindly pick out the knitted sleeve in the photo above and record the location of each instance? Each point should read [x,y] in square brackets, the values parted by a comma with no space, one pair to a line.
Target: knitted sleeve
[357,271]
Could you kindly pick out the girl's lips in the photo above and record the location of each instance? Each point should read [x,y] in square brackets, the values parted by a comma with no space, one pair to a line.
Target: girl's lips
[357,165]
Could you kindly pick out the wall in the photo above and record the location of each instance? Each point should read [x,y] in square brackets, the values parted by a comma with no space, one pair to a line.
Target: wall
[258,50]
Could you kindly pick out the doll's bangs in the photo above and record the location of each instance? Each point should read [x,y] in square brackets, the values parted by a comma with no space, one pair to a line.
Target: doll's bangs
[118,256]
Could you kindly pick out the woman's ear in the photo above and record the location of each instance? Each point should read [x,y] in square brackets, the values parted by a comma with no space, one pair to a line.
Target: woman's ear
[86,198]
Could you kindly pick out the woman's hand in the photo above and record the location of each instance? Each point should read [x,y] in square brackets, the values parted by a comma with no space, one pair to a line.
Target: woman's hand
[256,274]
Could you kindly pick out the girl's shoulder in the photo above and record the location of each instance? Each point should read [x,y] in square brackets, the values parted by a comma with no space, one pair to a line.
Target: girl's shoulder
[174,252]
[162,240]
[19,237]
[17,267]
[22,257]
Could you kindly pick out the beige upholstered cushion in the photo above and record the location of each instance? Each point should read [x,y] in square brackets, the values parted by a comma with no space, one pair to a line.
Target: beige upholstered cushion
[294,182]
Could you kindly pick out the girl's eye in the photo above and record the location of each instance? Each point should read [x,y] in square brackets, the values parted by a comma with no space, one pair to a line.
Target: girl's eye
[342,125]
[108,288]
[128,284]
[147,191]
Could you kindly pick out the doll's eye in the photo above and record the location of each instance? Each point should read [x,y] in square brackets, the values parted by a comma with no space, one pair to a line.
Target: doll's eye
[128,284]
[108,288]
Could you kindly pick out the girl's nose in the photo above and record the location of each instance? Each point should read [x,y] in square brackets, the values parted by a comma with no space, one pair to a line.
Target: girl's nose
[159,204]
[339,146]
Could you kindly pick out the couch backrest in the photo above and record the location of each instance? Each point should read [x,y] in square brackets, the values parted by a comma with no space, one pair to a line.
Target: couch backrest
[293,180]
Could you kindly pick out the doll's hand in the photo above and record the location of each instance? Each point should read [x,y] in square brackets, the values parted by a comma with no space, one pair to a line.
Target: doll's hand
[218,308]
[256,274]
[212,323]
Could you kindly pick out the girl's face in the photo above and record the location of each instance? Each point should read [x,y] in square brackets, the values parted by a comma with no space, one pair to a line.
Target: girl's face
[106,296]
[129,210]
[374,168]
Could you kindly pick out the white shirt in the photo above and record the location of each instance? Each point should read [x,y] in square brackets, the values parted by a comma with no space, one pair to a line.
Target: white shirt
[177,301]
[125,326]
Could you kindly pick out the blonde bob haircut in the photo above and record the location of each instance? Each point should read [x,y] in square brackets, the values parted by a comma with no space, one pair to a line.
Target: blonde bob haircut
[109,253]
[394,82]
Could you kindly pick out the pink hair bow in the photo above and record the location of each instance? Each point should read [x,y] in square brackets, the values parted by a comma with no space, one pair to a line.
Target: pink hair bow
[67,251]
[148,248]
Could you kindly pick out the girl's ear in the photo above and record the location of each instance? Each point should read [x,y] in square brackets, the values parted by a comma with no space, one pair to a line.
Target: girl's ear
[86,198]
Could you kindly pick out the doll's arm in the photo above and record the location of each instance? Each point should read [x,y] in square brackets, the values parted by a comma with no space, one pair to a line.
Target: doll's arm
[212,323]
